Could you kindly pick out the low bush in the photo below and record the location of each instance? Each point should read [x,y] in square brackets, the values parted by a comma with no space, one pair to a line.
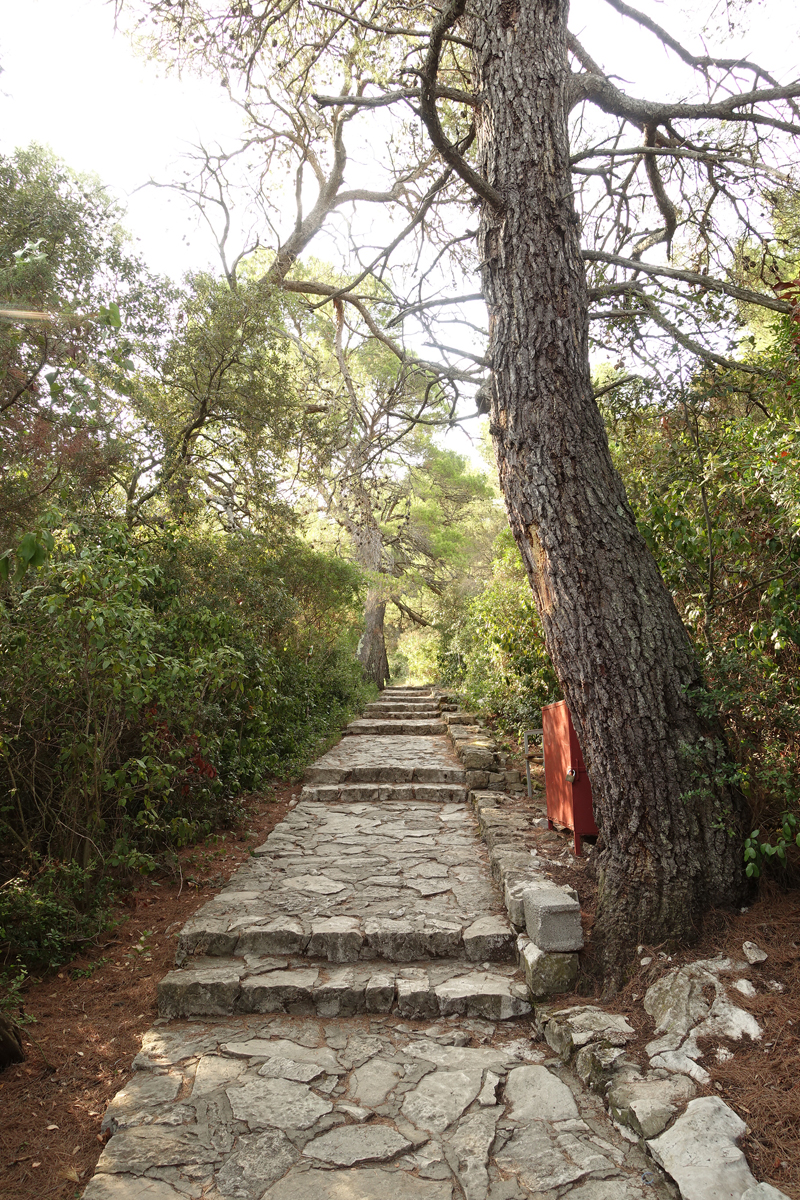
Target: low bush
[145,682]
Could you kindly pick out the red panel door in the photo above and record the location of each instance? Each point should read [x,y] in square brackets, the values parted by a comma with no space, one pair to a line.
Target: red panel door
[569,793]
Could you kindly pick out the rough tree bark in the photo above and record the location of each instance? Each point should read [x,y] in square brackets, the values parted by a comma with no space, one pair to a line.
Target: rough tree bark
[372,646]
[671,826]
[367,547]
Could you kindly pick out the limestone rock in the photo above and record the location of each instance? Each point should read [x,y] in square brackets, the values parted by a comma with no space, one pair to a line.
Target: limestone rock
[340,995]
[371,1083]
[188,993]
[468,1152]
[568,1029]
[647,1104]
[134,1151]
[132,1105]
[369,1184]
[278,1102]
[482,994]
[275,991]
[379,993]
[535,1094]
[700,1152]
[258,1159]
[676,1002]
[416,998]
[753,953]
[596,1063]
[285,935]
[339,939]
[440,1099]
[349,1145]
[546,974]
[489,939]
[129,1187]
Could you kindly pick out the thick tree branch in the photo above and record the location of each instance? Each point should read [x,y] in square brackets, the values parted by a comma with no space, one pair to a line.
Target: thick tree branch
[442,93]
[409,612]
[599,90]
[704,281]
[427,107]
[323,289]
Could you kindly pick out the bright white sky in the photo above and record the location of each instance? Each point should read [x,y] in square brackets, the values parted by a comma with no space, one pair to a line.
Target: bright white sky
[69,82]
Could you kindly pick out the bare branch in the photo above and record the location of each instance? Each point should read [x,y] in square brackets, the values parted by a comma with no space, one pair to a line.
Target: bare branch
[427,106]
[708,282]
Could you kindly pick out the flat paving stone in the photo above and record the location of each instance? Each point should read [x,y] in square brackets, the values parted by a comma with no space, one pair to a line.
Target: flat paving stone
[277,1102]
[347,882]
[396,759]
[351,1145]
[382,1091]
[369,1184]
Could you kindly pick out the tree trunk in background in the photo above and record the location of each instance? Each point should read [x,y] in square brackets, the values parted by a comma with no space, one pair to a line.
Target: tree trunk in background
[671,826]
[368,548]
[372,647]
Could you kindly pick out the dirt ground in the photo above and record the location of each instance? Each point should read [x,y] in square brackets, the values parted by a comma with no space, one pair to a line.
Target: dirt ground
[91,1015]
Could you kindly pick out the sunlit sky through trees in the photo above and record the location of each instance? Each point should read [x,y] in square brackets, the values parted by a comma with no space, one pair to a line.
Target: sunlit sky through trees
[69,81]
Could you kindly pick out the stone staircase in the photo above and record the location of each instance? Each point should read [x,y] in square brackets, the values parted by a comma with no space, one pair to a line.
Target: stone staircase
[352,995]
[373,895]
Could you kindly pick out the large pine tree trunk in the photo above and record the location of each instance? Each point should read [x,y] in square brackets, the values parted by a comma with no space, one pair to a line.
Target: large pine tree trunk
[671,827]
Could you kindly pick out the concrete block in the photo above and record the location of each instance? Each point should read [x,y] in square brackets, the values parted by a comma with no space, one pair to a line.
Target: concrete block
[552,918]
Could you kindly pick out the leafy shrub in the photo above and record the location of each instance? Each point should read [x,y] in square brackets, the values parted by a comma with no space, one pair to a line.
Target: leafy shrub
[48,910]
[146,680]
[492,648]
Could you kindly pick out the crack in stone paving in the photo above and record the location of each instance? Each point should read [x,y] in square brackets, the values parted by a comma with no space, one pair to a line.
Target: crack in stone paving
[358,1028]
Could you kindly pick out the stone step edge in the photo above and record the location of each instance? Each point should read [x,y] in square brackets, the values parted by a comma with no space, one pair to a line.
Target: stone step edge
[399,728]
[547,915]
[345,940]
[337,992]
[446,793]
[385,774]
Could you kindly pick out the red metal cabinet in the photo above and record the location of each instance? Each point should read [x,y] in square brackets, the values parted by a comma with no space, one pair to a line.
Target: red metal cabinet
[569,793]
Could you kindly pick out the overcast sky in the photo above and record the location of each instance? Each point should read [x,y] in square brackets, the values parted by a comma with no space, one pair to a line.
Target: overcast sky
[68,81]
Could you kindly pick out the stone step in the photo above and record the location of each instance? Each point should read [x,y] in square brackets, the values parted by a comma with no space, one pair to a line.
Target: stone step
[223,987]
[387,758]
[343,939]
[405,693]
[402,726]
[357,793]
[402,708]
[379,713]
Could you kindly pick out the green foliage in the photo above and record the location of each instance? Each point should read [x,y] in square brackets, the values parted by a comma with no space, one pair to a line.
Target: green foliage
[63,256]
[757,852]
[713,479]
[145,681]
[50,909]
[492,650]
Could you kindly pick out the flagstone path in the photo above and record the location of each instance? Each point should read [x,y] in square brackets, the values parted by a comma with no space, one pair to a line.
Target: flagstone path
[347,1020]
